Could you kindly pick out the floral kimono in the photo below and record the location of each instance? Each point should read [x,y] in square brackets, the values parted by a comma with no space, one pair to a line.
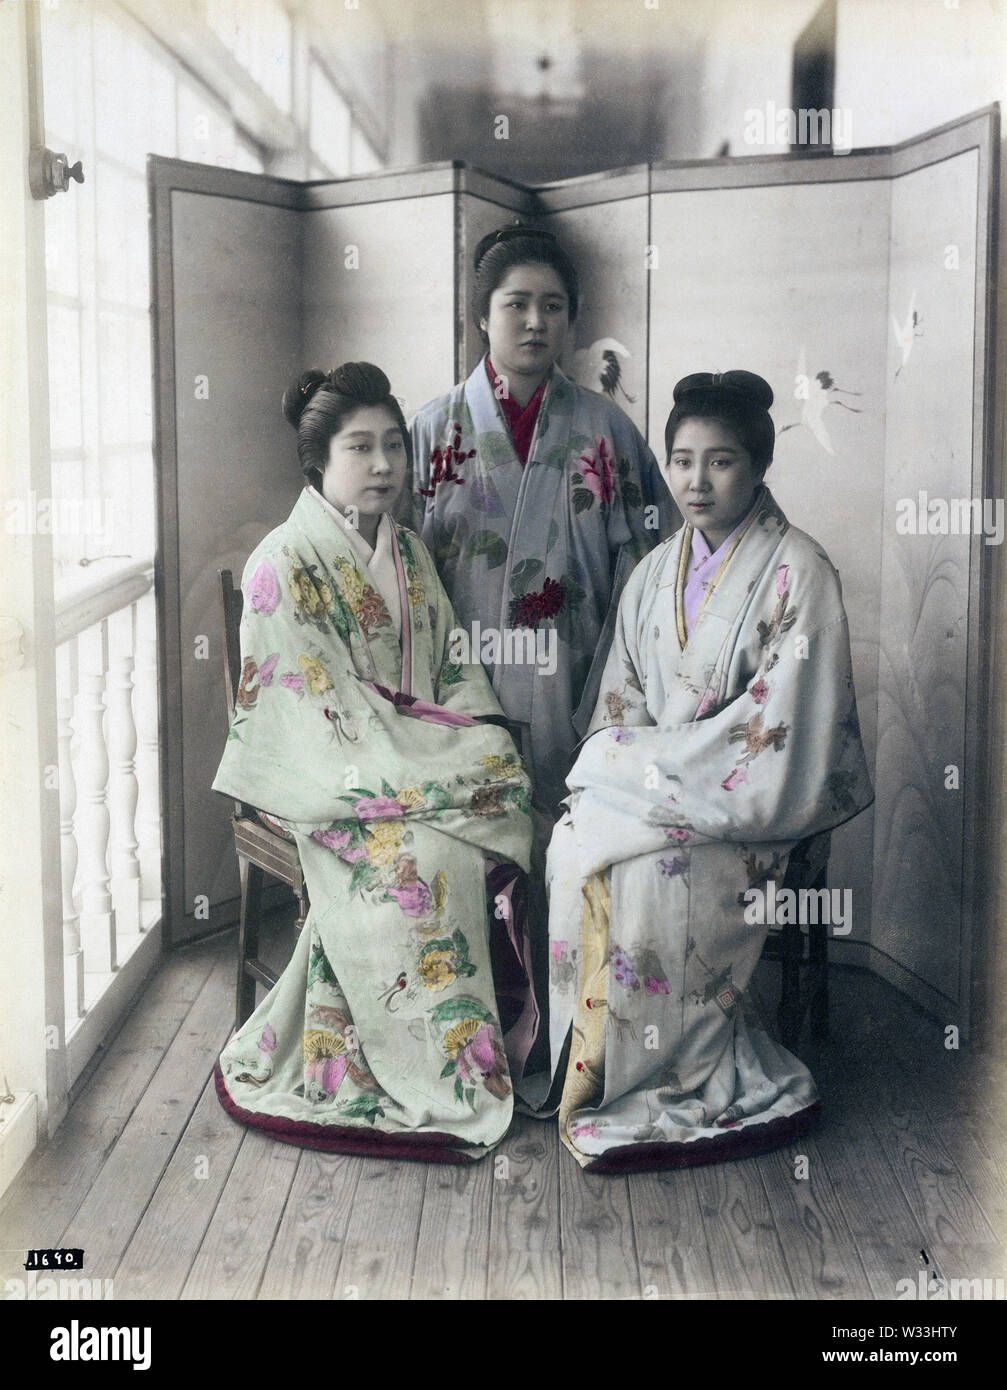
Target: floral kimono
[383,1034]
[534,556]
[710,757]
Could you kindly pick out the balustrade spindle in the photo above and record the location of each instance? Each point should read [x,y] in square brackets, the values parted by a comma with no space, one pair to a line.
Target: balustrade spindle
[73,956]
[122,787]
[148,819]
[97,917]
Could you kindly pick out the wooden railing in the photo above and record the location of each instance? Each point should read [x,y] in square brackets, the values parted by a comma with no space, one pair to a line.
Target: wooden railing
[110,841]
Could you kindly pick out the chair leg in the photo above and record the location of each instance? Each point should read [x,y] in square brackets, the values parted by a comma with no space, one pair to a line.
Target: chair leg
[789,1011]
[302,909]
[248,935]
[818,972]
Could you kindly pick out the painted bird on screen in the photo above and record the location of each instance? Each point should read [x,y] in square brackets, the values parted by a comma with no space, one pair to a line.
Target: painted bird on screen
[598,367]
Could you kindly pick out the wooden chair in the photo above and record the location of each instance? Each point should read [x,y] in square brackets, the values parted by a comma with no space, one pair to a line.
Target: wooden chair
[262,846]
[786,945]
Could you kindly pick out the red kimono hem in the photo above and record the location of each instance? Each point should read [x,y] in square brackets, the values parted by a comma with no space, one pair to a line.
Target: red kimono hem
[736,1143]
[432,1147]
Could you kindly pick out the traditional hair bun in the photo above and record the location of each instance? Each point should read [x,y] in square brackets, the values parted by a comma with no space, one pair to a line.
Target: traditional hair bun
[299,392]
[741,385]
[360,381]
[511,232]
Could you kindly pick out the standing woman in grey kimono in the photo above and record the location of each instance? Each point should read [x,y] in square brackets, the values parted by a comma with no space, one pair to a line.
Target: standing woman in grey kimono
[537,498]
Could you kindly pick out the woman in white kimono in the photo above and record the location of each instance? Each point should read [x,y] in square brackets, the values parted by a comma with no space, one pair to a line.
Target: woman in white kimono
[725,734]
[405,1010]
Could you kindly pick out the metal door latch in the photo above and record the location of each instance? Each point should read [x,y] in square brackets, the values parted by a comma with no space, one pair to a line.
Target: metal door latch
[49,173]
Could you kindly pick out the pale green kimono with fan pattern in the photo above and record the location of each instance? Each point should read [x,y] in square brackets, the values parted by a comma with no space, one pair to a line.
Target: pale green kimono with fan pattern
[385,1021]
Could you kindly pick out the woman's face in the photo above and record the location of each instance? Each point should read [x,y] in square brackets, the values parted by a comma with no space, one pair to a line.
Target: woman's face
[366,465]
[529,314]
[711,477]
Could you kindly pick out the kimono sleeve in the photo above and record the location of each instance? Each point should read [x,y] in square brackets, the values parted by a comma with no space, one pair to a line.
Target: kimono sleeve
[781,761]
[285,753]
[642,517]
[460,684]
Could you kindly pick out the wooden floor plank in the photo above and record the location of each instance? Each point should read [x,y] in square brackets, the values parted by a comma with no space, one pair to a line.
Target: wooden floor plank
[452,1249]
[305,1257]
[106,1219]
[671,1240]
[163,1247]
[822,1257]
[41,1202]
[745,1251]
[235,1249]
[379,1248]
[599,1252]
[525,1241]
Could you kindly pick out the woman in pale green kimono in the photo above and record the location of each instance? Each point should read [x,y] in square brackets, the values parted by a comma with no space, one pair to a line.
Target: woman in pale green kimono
[357,733]
[725,734]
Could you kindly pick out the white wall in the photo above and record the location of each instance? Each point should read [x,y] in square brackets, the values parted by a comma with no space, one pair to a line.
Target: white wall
[905,66]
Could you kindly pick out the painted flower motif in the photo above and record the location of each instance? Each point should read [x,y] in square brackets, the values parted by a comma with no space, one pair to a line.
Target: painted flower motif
[247,692]
[621,735]
[410,798]
[353,853]
[655,986]
[781,580]
[678,833]
[436,970]
[531,609]
[332,839]
[615,706]
[264,589]
[267,668]
[377,808]
[558,949]
[315,674]
[479,1060]
[352,583]
[585,1129]
[759,692]
[598,473]
[415,590]
[622,969]
[500,767]
[734,779]
[708,702]
[312,597]
[415,899]
[674,868]
[383,841]
[487,801]
[267,1040]
[293,680]
[371,611]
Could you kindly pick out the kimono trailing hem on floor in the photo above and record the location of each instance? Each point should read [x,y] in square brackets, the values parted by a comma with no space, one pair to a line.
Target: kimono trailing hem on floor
[709,759]
[384,1032]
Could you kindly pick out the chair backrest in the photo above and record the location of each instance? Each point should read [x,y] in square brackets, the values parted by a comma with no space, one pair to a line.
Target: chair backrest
[232,602]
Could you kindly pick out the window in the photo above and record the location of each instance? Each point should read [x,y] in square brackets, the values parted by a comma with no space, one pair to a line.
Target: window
[97,268]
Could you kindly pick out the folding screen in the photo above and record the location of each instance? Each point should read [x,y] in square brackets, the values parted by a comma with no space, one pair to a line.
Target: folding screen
[807,270]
